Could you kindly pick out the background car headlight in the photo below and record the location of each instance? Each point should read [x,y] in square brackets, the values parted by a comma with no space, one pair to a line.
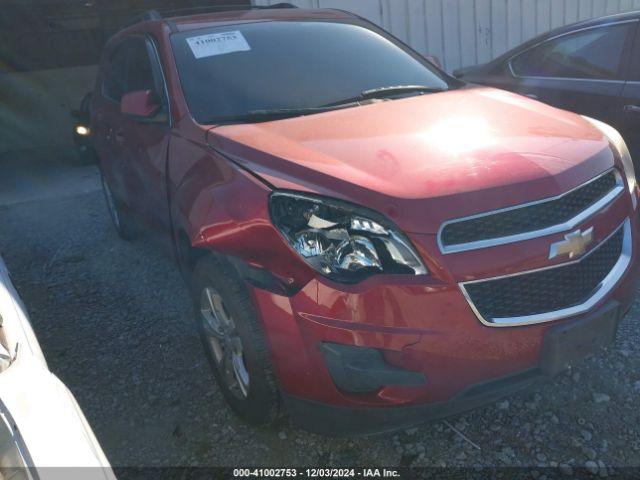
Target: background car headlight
[82,130]
[616,140]
[343,242]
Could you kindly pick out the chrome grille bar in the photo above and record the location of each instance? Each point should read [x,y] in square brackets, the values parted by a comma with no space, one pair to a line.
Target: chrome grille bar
[603,288]
[557,228]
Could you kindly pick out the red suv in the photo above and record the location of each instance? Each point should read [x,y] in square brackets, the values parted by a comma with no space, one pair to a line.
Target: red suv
[369,242]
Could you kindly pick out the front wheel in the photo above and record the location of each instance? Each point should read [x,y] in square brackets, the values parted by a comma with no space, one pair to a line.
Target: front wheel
[234,342]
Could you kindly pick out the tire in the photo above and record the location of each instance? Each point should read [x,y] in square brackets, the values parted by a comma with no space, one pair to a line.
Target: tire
[234,342]
[121,219]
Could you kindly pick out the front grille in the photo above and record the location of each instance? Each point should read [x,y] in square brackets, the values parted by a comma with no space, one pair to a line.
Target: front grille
[546,290]
[529,218]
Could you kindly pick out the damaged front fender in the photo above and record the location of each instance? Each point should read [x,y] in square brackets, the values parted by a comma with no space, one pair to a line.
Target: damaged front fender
[224,209]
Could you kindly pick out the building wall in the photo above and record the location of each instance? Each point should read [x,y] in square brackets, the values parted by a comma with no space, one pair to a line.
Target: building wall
[467,32]
[48,55]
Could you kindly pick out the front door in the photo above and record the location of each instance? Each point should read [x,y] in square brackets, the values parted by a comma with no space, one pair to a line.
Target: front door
[145,141]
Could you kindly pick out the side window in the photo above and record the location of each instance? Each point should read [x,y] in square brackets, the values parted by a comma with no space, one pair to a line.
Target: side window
[131,67]
[113,83]
[594,54]
[140,75]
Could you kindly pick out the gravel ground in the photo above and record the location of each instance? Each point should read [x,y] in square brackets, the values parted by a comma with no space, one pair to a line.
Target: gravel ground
[115,323]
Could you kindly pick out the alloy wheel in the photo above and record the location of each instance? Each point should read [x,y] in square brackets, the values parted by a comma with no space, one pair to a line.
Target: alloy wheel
[224,342]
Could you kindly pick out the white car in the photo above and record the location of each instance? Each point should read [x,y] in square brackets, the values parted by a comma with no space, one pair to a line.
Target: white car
[41,424]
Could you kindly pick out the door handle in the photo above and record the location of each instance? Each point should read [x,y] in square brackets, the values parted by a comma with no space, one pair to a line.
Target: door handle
[631,109]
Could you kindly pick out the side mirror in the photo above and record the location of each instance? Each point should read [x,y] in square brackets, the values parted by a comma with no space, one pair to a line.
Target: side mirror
[434,60]
[141,104]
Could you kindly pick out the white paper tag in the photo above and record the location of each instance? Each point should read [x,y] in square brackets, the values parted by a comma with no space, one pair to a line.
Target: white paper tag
[218,44]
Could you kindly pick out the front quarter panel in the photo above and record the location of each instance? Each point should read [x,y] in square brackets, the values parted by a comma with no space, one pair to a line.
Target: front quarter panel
[222,208]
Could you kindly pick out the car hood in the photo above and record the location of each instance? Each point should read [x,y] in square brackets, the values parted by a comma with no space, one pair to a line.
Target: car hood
[425,159]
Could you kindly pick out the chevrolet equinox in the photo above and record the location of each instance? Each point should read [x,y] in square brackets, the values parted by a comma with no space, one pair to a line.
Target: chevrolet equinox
[369,242]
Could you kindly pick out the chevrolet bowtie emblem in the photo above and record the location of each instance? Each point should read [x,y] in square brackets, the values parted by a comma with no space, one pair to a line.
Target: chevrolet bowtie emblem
[573,245]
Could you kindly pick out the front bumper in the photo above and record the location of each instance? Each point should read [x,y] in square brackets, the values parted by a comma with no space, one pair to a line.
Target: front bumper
[341,420]
[419,325]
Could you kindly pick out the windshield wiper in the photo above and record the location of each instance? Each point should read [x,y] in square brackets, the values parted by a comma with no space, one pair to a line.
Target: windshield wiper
[383,92]
[376,92]
[264,115]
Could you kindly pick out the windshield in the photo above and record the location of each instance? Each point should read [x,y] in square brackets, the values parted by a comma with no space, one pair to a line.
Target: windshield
[229,72]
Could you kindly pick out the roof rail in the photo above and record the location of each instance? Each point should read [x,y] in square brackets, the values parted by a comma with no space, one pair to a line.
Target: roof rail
[148,15]
[156,15]
[280,5]
[222,8]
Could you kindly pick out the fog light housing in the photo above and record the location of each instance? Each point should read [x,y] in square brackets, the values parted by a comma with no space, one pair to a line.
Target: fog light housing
[361,369]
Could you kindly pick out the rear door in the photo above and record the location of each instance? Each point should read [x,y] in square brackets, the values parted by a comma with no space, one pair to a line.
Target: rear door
[106,116]
[582,71]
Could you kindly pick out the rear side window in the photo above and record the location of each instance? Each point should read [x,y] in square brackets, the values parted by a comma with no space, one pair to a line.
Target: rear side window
[593,54]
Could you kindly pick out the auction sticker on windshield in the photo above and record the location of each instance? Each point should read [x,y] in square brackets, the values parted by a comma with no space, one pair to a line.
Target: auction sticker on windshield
[217,44]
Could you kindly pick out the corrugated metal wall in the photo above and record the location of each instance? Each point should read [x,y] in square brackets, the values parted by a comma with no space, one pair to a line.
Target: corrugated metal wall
[466,32]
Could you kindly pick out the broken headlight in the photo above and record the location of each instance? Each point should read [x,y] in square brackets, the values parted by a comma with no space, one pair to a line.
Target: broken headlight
[342,241]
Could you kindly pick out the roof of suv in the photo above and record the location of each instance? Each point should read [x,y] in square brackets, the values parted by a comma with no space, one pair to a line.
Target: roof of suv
[234,17]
